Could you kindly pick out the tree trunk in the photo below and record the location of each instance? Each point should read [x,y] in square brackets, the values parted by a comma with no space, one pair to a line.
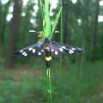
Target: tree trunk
[3,21]
[66,20]
[0,24]
[15,28]
[95,36]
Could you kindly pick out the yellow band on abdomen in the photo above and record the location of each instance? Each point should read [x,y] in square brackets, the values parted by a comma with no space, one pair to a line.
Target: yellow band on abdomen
[48,58]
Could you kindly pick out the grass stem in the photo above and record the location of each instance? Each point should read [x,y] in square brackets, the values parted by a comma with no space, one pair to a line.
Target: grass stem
[61,38]
[47,32]
[48,82]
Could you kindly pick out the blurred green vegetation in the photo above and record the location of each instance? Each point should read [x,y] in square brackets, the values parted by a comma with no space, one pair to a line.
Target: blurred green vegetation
[22,80]
[77,84]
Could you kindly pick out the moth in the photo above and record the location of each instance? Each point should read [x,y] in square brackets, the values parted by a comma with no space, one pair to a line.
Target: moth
[48,49]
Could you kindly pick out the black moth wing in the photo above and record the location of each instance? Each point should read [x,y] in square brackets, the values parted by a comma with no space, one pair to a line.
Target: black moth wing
[33,50]
[58,49]
[73,50]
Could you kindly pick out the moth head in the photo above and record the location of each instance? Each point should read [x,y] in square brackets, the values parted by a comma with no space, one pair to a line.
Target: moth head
[46,40]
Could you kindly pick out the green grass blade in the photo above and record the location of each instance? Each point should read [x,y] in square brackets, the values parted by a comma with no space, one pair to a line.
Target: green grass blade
[56,21]
[61,40]
[41,8]
[47,32]
[48,84]
[47,24]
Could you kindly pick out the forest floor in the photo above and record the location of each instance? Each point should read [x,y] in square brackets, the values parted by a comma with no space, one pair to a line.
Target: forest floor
[78,84]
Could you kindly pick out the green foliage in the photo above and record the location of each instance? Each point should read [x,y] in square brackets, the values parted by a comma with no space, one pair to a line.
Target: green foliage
[79,84]
[55,22]
[77,33]
[47,25]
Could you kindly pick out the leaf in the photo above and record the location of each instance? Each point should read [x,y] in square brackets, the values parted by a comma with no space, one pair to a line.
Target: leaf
[56,20]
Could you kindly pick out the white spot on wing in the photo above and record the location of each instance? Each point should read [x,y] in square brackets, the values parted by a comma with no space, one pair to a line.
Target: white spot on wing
[70,51]
[56,52]
[73,48]
[21,51]
[33,50]
[24,53]
[61,49]
[42,50]
[39,53]
[30,49]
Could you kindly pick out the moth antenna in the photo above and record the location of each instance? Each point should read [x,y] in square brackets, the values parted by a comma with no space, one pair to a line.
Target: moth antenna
[56,32]
[33,31]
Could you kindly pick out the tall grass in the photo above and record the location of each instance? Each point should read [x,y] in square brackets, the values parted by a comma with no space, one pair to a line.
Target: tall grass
[19,86]
[61,40]
[48,33]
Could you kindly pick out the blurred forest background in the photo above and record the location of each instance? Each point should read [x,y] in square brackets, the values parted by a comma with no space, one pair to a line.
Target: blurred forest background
[22,80]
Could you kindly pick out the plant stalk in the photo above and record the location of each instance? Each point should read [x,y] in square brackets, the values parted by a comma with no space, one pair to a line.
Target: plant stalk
[47,32]
[48,82]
